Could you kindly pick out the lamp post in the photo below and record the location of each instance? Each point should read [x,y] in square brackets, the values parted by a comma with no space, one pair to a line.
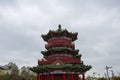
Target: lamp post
[98,75]
[112,74]
[94,75]
[107,68]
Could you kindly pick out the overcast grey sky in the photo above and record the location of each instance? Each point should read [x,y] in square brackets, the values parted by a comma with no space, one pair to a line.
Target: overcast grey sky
[97,22]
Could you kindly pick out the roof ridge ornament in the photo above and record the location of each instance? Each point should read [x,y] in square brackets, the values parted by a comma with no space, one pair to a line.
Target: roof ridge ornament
[59,27]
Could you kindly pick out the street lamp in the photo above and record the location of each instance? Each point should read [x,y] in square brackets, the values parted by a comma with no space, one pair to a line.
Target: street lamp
[94,75]
[107,68]
[112,74]
[98,75]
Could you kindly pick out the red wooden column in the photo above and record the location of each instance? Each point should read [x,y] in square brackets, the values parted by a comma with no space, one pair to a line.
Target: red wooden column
[53,77]
[72,76]
[64,76]
[44,76]
[78,76]
[38,76]
[83,76]
[41,77]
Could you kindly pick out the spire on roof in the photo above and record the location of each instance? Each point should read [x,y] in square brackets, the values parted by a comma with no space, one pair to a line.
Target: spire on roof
[59,27]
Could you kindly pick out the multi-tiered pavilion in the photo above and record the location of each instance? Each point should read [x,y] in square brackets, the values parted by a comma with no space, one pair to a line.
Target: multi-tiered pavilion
[61,60]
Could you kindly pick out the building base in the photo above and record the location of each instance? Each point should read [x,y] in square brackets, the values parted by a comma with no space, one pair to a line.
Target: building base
[60,77]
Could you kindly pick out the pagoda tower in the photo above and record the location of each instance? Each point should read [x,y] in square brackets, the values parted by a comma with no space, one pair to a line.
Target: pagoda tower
[61,60]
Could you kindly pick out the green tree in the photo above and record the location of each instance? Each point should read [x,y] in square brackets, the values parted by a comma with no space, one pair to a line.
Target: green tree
[117,78]
[26,75]
[89,78]
[11,77]
[33,77]
[102,78]
[14,68]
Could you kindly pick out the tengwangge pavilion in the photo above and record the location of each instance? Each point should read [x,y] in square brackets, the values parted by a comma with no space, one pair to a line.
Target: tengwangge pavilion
[61,60]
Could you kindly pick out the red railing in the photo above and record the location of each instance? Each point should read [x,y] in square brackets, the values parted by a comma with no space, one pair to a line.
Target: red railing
[59,42]
[63,59]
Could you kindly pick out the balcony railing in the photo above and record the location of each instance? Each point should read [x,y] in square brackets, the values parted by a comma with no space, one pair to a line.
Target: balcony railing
[63,59]
[59,42]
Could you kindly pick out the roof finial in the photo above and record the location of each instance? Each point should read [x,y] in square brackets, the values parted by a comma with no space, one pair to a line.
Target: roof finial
[59,27]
